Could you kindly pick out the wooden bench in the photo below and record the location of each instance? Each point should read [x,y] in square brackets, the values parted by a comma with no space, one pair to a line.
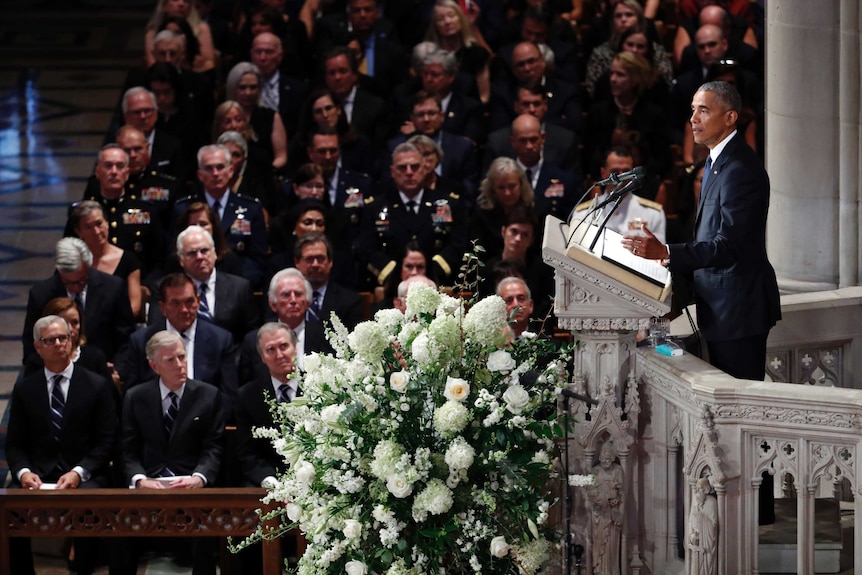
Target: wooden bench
[210,512]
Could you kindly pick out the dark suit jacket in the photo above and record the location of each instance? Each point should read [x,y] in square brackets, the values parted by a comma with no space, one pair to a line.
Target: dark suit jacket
[561,148]
[167,156]
[195,444]
[344,303]
[564,108]
[257,456]
[108,318]
[87,437]
[465,117]
[215,359]
[235,310]
[291,94]
[736,292]
[369,116]
[251,367]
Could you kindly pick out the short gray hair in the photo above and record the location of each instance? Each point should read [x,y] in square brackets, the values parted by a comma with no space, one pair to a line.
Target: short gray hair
[445,58]
[233,137]
[272,327]
[404,148]
[726,93]
[44,322]
[235,75]
[288,272]
[422,141]
[170,36]
[213,148]
[514,280]
[159,340]
[420,52]
[70,253]
[134,92]
[193,229]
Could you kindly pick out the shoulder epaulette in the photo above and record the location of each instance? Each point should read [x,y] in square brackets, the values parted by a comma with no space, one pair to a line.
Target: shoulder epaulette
[650,204]
[583,206]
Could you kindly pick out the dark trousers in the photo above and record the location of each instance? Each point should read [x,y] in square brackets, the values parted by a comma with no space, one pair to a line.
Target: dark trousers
[743,358]
[126,551]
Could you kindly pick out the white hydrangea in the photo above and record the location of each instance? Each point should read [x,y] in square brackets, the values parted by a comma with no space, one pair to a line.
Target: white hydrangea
[424,350]
[531,555]
[486,321]
[450,306]
[451,418]
[386,456]
[369,341]
[435,499]
[421,299]
[459,455]
[390,320]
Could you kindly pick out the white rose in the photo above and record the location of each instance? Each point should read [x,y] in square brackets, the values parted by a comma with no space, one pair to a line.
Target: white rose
[516,398]
[305,473]
[293,511]
[352,528]
[499,547]
[456,389]
[398,486]
[398,381]
[501,360]
[356,568]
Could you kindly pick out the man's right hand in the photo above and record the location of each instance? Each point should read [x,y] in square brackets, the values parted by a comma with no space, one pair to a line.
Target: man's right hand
[30,480]
[150,484]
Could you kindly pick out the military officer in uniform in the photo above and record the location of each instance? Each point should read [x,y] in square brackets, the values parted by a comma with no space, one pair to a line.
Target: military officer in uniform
[406,211]
[241,217]
[634,212]
[133,224]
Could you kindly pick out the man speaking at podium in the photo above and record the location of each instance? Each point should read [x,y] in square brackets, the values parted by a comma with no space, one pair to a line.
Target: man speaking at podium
[736,292]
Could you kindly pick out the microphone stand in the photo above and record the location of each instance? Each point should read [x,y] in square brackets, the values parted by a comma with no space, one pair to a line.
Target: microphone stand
[616,196]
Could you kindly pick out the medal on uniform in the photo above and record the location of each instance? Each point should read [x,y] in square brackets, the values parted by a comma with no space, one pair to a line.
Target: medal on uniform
[555,190]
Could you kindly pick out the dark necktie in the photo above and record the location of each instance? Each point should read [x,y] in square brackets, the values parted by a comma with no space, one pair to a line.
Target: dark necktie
[217,208]
[284,393]
[171,413]
[707,171]
[529,174]
[411,206]
[204,309]
[79,301]
[58,404]
[314,309]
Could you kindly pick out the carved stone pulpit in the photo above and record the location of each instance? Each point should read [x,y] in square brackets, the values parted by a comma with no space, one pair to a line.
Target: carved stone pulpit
[604,313]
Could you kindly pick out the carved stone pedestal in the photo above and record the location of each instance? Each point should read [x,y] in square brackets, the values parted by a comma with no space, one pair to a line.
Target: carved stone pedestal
[604,316]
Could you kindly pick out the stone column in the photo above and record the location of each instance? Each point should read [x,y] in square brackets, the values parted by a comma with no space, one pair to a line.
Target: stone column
[804,157]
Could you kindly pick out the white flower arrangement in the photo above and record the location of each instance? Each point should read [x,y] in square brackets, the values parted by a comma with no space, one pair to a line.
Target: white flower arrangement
[418,446]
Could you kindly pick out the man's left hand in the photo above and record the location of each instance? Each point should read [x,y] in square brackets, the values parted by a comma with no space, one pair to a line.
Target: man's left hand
[69,480]
[192,482]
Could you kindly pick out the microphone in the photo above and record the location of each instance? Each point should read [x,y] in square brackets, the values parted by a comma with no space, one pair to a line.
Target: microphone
[633,174]
[574,395]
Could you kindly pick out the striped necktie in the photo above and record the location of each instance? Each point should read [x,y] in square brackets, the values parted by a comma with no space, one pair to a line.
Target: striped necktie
[58,405]
[171,413]
[204,308]
[284,393]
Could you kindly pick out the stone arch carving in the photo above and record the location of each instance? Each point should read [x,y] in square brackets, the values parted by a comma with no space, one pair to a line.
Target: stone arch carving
[776,456]
[606,419]
[703,452]
[823,456]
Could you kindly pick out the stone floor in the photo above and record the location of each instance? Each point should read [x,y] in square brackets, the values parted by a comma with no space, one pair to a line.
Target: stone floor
[62,65]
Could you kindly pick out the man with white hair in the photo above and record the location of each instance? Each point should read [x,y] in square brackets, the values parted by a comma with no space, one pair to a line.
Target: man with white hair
[290,296]
[141,111]
[241,217]
[225,299]
[102,298]
[279,91]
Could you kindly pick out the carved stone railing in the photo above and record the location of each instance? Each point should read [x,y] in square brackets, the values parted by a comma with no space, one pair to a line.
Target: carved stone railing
[211,512]
[699,422]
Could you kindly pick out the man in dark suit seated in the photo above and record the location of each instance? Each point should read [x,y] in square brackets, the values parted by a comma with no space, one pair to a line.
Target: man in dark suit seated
[313,257]
[366,112]
[280,91]
[260,463]
[172,429]
[62,430]
[225,299]
[530,69]
[735,289]
[560,148]
[103,299]
[290,296]
[212,353]
[140,111]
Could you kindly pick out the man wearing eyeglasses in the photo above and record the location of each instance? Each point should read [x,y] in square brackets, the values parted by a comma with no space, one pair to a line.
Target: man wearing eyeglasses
[140,111]
[225,299]
[103,299]
[407,212]
[62,430]
[241,217]
[313,256]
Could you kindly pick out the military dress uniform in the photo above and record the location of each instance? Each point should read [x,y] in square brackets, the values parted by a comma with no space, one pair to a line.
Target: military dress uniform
[133,225]
[438,228]
[632,211]
[156,188]
[244,229]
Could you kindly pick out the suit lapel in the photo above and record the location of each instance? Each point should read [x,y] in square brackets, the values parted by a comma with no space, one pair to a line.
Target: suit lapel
[714,177]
